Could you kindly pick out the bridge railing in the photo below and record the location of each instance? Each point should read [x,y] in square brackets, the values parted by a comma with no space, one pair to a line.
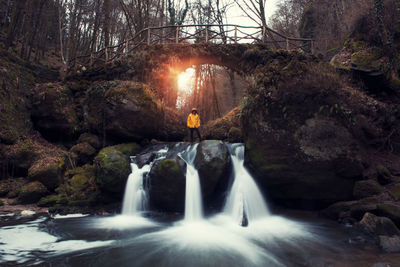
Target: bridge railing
[195,34]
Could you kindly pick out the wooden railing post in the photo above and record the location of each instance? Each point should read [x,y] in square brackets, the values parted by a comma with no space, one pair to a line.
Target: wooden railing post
[287,44]
[177,35]
[206,34]
[148,36]
[235,34]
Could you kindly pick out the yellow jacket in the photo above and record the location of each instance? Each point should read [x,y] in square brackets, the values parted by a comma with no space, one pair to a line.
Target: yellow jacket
[193,121]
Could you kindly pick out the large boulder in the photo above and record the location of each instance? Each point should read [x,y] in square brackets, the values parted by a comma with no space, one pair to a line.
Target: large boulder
[390,210]
[84,151]
[48,170]
[383,230]
[54,111]
[226,128]
[78,190]
[167,185]
[112,167]
[303,145]
[31,192]
[91,139]
[376,226]
[21,155]
[132,113]
[213,163]
[367,188]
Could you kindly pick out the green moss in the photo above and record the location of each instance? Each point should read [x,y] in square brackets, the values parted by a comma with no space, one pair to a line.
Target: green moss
[255,153]
[128,149]
[395,192]
[383,171]
[51,201]
[168,166]
[234,135]
[48,170]
[112,168]
[391,211]
[31,192]
[367,61]
[1,203]
[355,46]
[79,181]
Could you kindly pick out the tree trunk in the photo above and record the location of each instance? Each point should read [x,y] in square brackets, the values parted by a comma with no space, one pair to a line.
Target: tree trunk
[106,29]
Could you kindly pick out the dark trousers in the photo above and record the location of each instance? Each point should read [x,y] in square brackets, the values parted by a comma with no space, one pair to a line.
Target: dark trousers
[191,133]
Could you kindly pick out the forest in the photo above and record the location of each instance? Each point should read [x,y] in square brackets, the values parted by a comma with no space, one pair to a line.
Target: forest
[200,133]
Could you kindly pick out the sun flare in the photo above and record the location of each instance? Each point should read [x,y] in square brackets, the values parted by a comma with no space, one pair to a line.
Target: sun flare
[186,80]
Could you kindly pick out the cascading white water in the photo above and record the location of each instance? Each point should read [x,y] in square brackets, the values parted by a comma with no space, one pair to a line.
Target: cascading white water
[193,199]
[135,197]
[245,201]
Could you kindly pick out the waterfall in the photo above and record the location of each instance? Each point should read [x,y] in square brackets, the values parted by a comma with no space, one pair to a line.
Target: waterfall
[193,199]
[245,202]
[135,196]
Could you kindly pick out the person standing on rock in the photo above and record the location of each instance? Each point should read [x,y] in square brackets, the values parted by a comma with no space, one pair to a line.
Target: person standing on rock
[193,122]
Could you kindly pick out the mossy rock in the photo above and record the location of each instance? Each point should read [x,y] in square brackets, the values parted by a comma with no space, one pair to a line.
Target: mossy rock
[91,139]
[167,186]
[112,168]
[367,60]
[82,177]
[390,210]
[84,151]
[31,192]
[213,163]
[384,175]
[395,192]
[128,149]
[377,226]
[235,135]
[132,112]
[54,112]
[367,188]
[21,155]
[11,187]
[48,170]
[51,200]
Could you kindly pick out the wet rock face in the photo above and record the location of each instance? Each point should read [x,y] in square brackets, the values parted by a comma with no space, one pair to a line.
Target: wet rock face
[383,230]
[299,135]
[367,188]
[47,170]
[378,226]
[112,167]
[31,192]
[167,185]
[84,151]
[213,163]
[129,111]
[54,112]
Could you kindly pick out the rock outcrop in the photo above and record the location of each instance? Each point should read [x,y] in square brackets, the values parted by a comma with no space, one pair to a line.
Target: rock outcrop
[112,167]
[213,163]
[54,112]
[131,111]
[167,185]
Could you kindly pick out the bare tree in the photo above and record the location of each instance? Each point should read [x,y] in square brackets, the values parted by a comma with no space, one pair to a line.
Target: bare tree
[254,10]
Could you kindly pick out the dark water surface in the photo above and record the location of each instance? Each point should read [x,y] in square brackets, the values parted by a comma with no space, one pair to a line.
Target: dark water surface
[303,240]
